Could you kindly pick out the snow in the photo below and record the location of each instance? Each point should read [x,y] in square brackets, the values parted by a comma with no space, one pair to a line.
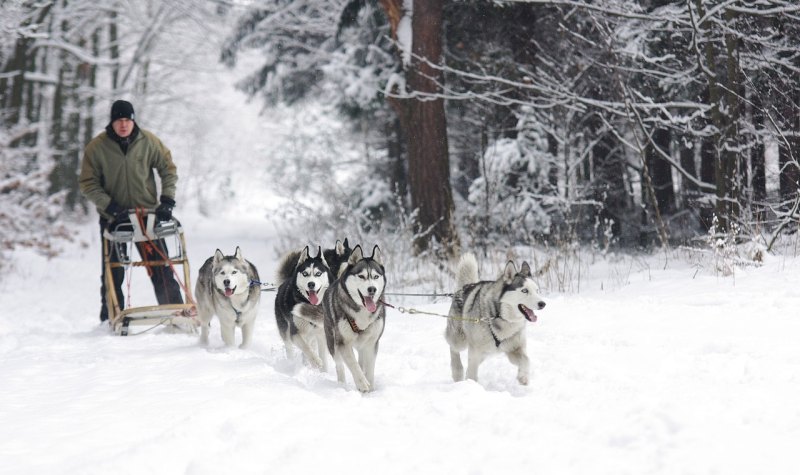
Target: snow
[404,31]
[638,369]
[664,370]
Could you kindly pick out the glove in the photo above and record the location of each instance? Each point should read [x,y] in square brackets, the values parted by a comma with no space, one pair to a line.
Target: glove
[164,210]
[117,212]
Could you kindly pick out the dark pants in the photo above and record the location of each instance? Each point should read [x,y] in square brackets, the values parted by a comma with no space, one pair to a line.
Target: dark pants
[166,287]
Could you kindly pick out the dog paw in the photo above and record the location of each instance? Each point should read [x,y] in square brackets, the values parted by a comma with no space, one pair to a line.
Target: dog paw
[317,363]
[363,385]
[228,343]
[523,379]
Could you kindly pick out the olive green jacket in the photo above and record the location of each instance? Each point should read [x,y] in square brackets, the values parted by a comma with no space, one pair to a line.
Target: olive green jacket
[127,179]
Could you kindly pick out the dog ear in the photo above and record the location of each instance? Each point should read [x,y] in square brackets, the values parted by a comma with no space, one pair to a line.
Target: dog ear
[340,247]
[303,255]
[356,256]
[345,245]
[509,272]
[238,254]
[525,271]
[376,255]
[218,256]
[325,261]
[319,253]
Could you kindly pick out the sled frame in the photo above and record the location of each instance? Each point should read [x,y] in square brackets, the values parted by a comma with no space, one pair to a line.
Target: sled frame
[123,239]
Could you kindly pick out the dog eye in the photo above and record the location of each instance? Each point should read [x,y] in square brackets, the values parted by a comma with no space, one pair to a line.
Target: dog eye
[305,274]
[317,274]
[524,291]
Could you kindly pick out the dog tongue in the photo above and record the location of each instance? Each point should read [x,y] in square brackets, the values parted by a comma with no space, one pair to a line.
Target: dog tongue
[228,291]
[312,297]
[370,304]
[529,314]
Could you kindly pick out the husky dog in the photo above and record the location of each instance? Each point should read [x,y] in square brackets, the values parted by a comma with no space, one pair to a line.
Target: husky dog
[302,279]
[336,258]
[354,316]
[502,307]
[225,289]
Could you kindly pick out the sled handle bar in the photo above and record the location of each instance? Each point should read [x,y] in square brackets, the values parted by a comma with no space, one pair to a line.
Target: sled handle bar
[133,231]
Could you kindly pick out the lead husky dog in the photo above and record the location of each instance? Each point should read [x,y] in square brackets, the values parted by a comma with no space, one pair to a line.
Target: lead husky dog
[225,289]
[502,307]
[302,279]
[354,316]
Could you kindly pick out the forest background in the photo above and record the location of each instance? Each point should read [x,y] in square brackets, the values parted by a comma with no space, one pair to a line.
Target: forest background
[434,125]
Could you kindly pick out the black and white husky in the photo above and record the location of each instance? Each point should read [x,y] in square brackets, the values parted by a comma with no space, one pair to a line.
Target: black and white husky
[302,279]
[337,256]
[354,316]
[225,288]
[501,308]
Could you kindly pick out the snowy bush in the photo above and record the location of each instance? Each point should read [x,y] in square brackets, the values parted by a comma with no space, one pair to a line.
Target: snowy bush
[508,198]
[733,248]
[30,216]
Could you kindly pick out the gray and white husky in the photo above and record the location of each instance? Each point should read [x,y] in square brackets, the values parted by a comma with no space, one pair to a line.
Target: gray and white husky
[302,279]
[502,308]
[354,316]
[225,288]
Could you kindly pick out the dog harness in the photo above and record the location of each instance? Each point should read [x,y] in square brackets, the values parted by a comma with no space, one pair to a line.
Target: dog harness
[494,337]
[353,325]
[235,310]
[497,341]
[491,330]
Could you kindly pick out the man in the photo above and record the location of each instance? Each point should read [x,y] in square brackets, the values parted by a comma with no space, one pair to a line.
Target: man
[117,175]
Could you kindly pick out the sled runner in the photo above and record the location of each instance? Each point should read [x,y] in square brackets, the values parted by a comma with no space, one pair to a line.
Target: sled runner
[143,230]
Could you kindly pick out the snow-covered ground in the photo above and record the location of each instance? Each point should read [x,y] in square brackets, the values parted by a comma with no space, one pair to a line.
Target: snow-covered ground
[678,371]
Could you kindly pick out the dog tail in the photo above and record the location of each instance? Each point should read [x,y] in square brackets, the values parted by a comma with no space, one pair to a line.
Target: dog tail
[467,271]
[286,267]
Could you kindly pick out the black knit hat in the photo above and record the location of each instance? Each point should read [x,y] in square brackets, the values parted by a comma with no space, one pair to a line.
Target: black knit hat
[122,110]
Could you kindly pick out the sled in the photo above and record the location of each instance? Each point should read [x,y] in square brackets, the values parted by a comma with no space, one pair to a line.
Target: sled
[142,227]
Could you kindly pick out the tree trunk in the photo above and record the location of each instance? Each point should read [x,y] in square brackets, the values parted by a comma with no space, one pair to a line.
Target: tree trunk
[609,185]
[722,75]
[13,86]
[789,153]
[658,193]
[396,152]
[423,120]
[758,159]
[729,127]
[661,172]
[113,41]
[708,163]
[689,190]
